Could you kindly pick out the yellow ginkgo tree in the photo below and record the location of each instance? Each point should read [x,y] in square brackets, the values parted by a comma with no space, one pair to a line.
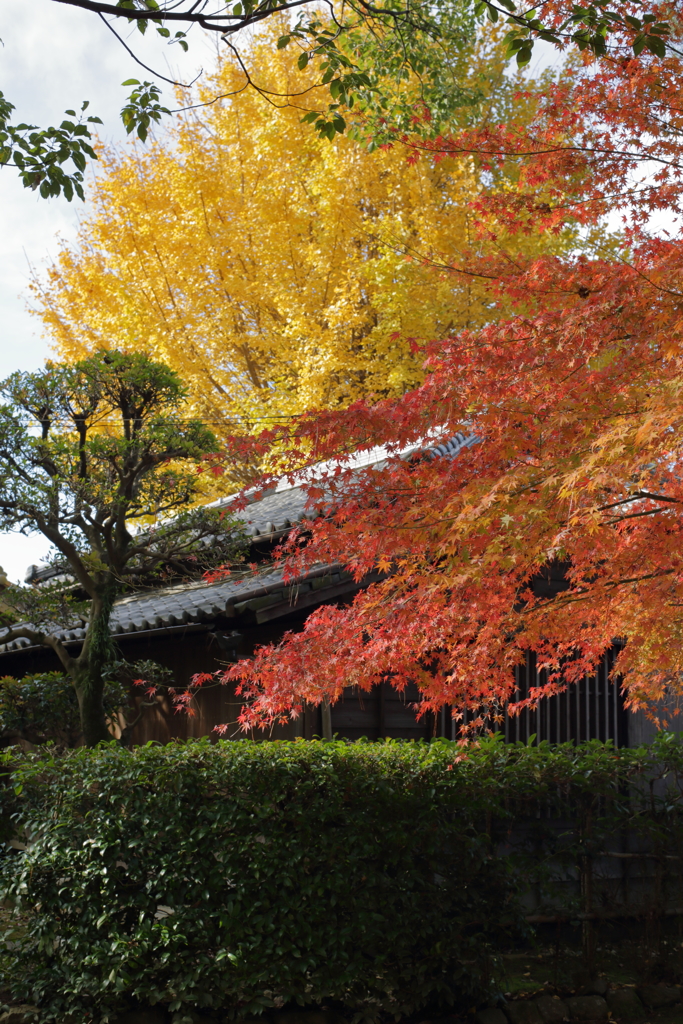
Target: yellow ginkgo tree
[276,271]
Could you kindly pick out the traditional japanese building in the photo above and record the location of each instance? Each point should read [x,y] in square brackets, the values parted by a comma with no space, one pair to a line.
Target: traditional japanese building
[193,627]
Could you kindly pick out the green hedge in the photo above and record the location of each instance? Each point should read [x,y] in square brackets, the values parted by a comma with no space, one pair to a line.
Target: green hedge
[242,875]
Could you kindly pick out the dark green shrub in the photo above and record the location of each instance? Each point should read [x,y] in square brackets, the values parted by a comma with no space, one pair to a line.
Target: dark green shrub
[241,875]
[39,708]
[381,877]
[43,708]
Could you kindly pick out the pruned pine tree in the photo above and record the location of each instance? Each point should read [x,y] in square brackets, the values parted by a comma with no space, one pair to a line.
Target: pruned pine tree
[100,458]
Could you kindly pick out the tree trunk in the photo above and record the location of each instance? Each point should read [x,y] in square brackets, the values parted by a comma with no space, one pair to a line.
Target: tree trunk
[97,653]
[326,710]
[93,718]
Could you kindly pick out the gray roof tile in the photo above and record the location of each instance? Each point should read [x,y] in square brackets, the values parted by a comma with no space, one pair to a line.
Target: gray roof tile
[190,603]
[172,606]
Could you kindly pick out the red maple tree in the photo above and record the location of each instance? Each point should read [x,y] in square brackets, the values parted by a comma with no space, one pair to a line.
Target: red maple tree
[577,407]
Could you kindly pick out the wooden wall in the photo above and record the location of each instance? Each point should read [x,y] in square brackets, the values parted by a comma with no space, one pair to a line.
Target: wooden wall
[592,709]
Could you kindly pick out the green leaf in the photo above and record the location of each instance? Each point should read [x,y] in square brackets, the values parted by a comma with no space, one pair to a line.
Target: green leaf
[302,61]
[283,41]
[656,45]
[639,44]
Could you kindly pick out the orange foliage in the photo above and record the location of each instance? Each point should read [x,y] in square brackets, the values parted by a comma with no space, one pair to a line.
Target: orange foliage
[577,403]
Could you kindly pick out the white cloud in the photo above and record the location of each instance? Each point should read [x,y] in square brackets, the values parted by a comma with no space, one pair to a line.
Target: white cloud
[47,64]
[18,552]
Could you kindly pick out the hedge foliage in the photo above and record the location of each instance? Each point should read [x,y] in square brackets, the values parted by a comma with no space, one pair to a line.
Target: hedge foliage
[239,875]
[43,707]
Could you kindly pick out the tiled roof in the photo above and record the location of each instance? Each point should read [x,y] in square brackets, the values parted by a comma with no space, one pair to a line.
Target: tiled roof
[193,604]
[450,448]
[275,512]
[286,503]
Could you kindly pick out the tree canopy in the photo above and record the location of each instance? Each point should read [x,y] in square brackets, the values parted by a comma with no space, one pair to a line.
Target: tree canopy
[554,21]
[360,51]
[575,404]
[88,451]
[276,272]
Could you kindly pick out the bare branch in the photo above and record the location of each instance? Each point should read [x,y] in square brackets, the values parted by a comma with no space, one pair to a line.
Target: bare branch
[124,44]
[40,639]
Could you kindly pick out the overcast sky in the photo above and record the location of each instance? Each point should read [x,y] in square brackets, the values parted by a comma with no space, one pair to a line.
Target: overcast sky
[47,65]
